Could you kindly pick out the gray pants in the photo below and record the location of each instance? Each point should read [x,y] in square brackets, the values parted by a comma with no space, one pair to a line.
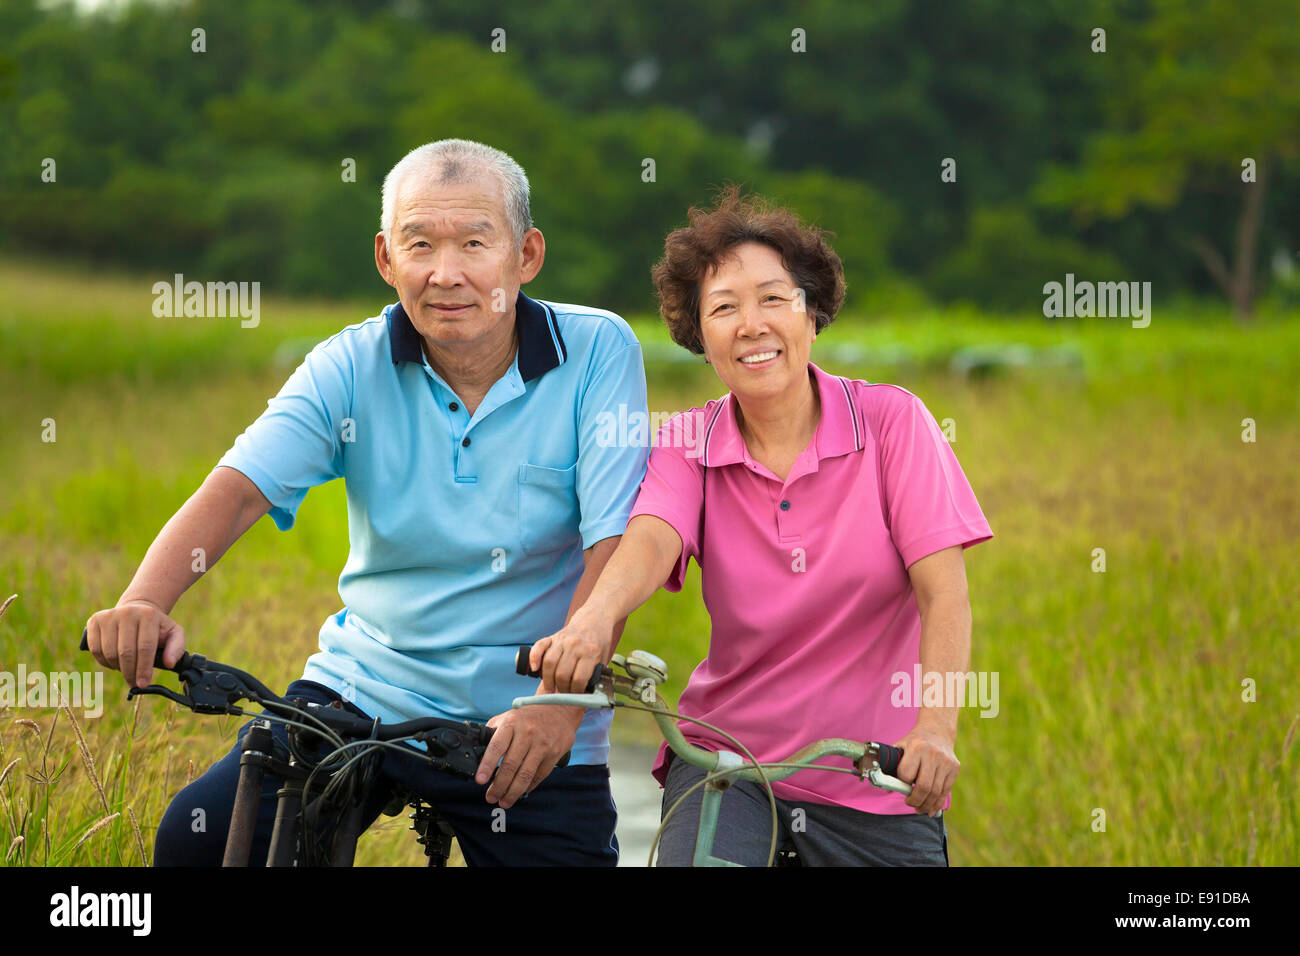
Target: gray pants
[822,835]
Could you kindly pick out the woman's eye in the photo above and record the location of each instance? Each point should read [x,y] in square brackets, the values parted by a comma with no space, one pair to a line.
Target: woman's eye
[474,242]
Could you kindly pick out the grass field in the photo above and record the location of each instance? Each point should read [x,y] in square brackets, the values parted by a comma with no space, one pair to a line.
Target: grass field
[1120,691]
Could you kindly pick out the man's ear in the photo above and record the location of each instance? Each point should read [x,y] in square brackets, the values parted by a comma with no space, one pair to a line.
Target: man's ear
[384,261]
[531,255]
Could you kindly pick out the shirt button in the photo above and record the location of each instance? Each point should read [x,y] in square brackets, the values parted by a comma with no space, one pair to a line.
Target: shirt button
[454,406]
[464,442]
[785,506]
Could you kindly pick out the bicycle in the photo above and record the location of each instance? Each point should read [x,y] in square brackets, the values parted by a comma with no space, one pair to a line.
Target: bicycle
[642,674]
[321,793]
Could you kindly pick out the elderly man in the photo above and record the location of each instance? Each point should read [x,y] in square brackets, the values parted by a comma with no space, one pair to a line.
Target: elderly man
[481,509]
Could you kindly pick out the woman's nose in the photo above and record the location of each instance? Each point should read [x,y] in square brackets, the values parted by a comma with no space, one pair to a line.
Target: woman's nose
[752,321]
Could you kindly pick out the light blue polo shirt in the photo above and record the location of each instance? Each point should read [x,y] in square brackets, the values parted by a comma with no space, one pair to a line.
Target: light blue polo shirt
[466,533]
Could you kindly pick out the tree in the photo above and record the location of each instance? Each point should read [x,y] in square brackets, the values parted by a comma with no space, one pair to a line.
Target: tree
[1205,103]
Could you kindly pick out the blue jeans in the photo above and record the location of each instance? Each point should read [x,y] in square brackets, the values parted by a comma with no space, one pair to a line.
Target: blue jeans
[567,821]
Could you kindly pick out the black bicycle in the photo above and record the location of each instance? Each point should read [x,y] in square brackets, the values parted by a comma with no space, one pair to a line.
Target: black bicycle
[329,769]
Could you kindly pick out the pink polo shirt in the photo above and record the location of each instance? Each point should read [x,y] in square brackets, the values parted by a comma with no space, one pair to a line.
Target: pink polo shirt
[805,580]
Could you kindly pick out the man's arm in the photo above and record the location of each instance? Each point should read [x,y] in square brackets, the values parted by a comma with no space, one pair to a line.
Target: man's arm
[126,636]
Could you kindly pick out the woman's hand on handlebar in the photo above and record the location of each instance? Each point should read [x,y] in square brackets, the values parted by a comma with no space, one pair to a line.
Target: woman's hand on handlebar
[128,636]
[569,657]
[930,766]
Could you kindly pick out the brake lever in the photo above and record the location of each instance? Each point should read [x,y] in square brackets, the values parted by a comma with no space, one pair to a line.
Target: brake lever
[210,688]
[191,672]
[183,699]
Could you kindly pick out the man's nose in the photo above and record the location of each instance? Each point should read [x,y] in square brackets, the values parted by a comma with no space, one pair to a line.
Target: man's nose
[446,268]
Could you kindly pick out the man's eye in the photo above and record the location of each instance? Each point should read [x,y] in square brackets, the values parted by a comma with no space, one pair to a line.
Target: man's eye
[474,242]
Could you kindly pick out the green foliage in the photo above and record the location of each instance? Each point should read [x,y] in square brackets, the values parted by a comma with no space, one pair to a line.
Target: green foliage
[1202,90]
[1206,83]
[1005,261]
[229,162]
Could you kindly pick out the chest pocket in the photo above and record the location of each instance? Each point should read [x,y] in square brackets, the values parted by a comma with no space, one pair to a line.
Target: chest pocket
[548,508]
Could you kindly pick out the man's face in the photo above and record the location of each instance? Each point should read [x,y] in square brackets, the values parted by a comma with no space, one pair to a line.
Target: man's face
[454,262]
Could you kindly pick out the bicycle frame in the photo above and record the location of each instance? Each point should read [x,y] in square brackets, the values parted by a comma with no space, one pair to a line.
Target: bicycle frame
[645,672]
[295,799]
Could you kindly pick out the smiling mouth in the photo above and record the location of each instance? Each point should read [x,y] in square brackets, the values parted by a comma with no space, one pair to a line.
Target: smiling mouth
[758,358]
[449,308]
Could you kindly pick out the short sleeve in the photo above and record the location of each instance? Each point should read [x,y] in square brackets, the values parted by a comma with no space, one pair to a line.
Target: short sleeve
[297,443]
[610,471]
[673,490]
[929,502]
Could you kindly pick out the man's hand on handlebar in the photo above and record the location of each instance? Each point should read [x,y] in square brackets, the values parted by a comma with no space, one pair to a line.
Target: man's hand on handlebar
[528,742]
[569,657]
[127,637]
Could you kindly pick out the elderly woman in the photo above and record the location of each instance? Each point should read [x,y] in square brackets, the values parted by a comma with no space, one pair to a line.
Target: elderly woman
[828,517]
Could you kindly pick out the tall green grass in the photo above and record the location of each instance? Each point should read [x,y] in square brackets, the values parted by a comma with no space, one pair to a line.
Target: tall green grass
[1120,691]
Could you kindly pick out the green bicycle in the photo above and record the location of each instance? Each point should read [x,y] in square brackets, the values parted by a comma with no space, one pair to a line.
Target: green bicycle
[641,674]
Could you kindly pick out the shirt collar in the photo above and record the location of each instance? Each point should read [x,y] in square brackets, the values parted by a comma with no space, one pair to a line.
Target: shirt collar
[838,433]
[541,347]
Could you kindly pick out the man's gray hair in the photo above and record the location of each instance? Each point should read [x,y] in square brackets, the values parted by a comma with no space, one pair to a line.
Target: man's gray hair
[449,161]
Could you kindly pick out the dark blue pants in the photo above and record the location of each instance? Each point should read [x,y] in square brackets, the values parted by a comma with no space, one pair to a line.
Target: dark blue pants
[567,821]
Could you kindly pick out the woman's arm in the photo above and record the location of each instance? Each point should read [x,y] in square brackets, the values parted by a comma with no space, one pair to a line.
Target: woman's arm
[929,763]
[645,556]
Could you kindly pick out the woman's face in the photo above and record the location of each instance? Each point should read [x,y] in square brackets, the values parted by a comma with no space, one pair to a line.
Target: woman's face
[754,325]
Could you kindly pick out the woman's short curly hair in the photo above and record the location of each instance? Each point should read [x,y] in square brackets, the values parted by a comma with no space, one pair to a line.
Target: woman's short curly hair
[692,252]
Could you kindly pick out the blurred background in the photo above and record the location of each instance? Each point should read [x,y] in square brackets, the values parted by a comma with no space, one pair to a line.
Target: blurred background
[228,161]
[964,154]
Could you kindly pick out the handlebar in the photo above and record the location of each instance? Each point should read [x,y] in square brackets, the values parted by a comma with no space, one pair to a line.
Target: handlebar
[214,688]
[523,670]
[873,761]
[181,664]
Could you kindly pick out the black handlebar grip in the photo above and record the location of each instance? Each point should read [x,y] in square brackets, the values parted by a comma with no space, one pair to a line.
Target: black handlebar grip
[889,758]
[522,669]
[181,664]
